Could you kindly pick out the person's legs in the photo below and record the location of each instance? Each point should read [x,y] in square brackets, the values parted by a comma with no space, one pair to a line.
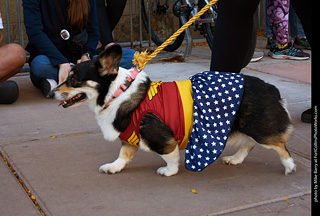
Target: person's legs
[115,10]
[104,23]
[43,74]
[12,59]
[232,34]
[296,31]
[268,30]
[41,68]
[127,57]
[296,28]
[303,10]
[278,18]
[109,14]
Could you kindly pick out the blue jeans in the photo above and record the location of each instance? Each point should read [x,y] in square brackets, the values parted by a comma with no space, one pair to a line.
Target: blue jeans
[41,67]
[296,27]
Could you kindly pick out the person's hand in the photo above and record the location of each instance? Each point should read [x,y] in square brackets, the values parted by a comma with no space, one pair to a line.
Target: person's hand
[99,45]
[84,57]
[64,72]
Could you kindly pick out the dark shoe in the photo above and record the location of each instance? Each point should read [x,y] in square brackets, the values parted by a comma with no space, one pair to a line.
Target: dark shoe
[287,51]
[46,85]
[9,92]
[306,116]
[301,43]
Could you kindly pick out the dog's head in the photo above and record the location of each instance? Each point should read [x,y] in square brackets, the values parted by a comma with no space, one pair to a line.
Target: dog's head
[90,81]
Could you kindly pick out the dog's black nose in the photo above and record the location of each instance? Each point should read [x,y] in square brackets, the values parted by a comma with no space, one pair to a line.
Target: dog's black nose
[52,93]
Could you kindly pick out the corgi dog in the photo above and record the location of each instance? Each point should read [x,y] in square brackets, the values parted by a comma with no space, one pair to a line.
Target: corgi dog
[165,117]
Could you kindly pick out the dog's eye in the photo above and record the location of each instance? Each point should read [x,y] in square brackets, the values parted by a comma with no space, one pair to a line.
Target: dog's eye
[73,81]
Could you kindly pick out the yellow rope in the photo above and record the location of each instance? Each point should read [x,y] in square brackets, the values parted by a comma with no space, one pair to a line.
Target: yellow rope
[141,59]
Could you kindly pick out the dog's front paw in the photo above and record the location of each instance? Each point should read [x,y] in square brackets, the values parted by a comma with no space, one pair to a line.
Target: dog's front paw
[165,171]
[114,167]
[231,160]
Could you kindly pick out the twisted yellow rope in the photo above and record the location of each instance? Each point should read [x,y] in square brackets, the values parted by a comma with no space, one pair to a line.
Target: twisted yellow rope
[141,59]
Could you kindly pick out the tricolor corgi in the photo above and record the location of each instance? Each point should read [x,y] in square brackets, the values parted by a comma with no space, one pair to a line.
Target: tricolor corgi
[202,114]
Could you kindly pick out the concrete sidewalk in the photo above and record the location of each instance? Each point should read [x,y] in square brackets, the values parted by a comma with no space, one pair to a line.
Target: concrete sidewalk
[57,152]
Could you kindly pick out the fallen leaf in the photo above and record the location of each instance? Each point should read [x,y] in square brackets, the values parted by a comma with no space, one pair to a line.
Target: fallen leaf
[33,197]
[75,134]
[194,191]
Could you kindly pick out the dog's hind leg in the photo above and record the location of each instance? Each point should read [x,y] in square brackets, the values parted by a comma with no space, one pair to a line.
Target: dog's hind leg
[158,137]
[279,146]
[127,152]
[246,144]
[172,160]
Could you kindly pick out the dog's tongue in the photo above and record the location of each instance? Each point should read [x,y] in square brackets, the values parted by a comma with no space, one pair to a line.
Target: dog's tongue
[71,101]
[65,103]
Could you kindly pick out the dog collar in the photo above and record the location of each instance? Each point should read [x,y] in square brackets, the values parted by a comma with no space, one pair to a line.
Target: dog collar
[123,87]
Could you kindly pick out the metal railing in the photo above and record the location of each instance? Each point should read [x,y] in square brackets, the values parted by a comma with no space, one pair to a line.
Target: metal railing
[8,22]
[131,43]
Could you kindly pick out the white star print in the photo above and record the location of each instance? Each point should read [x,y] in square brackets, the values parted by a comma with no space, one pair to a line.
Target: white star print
[213,115]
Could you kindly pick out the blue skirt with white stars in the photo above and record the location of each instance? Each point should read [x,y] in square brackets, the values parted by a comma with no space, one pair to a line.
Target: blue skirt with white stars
[217,96]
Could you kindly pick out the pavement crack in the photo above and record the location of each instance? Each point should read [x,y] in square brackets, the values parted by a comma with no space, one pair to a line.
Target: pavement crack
[15,174]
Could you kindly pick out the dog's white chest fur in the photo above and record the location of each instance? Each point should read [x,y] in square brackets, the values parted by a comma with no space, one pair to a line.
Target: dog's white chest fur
[106,117]
[109,132]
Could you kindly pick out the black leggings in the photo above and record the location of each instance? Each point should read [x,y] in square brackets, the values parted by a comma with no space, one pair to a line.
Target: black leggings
[303,10]
[233,31]
[232,34]
[108,17]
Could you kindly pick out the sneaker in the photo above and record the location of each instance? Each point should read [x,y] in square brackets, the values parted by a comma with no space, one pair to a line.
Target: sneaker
[301,43]
[257,56]
[287,51]
[306,116]
[9,92]
[268,46]
[46,85]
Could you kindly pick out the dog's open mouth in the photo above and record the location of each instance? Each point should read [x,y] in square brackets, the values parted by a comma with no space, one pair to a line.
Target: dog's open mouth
[79,97]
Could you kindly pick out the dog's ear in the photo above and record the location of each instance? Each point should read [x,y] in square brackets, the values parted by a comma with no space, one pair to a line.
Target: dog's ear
[109,60]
